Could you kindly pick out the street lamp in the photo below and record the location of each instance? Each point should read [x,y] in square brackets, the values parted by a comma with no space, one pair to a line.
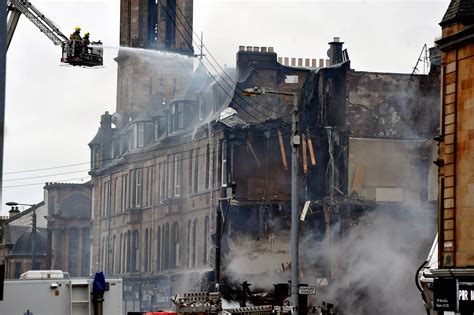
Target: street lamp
[33,231]
[295,143]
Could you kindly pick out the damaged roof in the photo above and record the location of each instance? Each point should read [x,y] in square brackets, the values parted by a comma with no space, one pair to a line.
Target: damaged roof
[459,11]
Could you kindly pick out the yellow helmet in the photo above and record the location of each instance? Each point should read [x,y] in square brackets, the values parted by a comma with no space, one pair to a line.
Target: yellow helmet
[78,29]
[87,34]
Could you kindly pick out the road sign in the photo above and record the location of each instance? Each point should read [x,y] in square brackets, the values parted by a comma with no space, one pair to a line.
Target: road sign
[307,290]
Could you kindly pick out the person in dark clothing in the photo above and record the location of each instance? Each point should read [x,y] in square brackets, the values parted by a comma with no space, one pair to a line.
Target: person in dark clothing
[86,41]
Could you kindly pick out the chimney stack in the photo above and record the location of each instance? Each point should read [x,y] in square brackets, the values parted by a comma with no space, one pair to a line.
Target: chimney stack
[335,51]
[13,212]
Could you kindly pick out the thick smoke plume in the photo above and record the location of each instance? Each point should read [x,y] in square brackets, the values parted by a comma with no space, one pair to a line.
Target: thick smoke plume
[375,262]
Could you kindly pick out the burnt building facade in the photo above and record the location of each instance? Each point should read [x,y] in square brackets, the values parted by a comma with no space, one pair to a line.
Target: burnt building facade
[181,168]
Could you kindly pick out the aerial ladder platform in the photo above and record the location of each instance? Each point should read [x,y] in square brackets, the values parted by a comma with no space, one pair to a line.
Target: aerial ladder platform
[73,52]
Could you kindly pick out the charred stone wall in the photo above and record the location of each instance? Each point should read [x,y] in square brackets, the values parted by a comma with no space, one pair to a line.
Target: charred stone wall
[387,105]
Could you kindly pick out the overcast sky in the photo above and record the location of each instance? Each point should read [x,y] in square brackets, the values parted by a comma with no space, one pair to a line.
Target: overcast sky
[53,111]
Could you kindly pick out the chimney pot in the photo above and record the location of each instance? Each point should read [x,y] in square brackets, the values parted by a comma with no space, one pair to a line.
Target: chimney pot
[280,60]
[300,62]
[321,63]
[293,62]
[241,48]
[337,39]
[256,49]
[263,49]
[328,62]
[287,61]
[313,63]
[249,48]
[306,62]
[270,49]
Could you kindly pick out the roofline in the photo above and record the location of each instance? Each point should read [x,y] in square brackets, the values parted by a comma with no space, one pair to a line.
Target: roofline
[30,209]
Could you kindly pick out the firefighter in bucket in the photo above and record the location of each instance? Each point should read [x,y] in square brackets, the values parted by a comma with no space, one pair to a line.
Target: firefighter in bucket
[76,44]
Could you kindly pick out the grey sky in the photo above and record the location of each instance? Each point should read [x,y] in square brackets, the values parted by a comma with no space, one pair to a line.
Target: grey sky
[53,111]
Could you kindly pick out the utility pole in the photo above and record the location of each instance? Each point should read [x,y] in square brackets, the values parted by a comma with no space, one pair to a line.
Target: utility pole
[295,227]
[295,220]
[3,49]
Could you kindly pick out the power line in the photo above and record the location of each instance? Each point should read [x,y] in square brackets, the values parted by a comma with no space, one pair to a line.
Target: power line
[217,63]
[210,63]
[42,183]
[139,153]
[216,150]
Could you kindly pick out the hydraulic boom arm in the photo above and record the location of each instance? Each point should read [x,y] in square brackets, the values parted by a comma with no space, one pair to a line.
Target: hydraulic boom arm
[45,25]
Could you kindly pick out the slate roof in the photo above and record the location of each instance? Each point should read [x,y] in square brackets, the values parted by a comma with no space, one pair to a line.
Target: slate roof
[459,11]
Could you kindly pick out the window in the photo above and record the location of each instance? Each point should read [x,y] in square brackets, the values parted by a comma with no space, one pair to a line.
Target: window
[116,196]
[223,163]
[208,166]
[177,175]
[175,245]
[195,174]
[158,249]
[137,188]
[166,246]
[194,243]
[140,134]
[189,241]
[124,192]
[135,252]
[162,182]
[106,198]
[170,179]
[17,270]
[149,188]
[145,261]
[206,237]
[120,260]
[112,268]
